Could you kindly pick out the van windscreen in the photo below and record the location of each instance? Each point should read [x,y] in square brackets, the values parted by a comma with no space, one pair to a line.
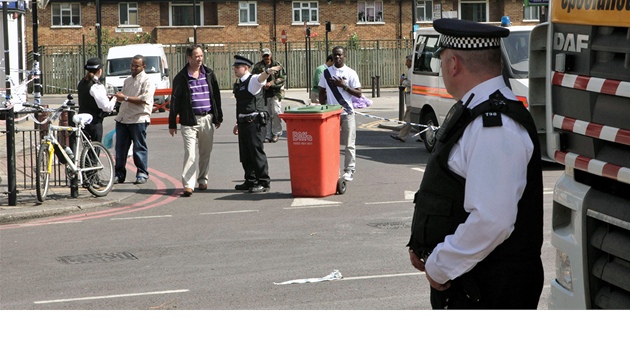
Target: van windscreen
[120,66]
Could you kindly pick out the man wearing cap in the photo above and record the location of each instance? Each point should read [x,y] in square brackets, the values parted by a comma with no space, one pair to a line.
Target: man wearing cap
[250,124]
[478,220]
[406,82]
[196,99]
[337,86]
[273,94]
[93,99]
[132,121]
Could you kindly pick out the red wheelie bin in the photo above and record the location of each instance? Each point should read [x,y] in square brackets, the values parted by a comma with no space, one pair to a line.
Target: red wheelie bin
[313,139]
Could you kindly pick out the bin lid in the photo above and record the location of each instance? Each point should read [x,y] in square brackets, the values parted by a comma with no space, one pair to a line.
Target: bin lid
[326,108]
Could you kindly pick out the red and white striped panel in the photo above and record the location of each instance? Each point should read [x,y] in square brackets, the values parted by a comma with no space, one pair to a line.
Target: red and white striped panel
[593,130]
[593,166]
[592,84]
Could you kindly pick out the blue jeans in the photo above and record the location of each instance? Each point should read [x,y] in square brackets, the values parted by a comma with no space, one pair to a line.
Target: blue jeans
[125,134]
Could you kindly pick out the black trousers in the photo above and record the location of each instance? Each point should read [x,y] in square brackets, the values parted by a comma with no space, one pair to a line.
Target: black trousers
[252,154]
[513,284]
[94,131]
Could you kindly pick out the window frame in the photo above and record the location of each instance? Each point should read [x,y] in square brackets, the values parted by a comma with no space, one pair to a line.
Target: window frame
[301,9]
[365,5]
[474,2]
[120,24]
[60,6]
[248,8]
[425,7]
[173,5]
[535,9]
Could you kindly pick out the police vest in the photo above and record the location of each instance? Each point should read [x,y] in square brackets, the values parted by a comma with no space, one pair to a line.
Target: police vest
[439,203]
[246,102]
[87,103]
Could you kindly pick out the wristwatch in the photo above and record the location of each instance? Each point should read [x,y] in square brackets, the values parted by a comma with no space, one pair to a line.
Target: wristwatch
[126,98]
[345,88]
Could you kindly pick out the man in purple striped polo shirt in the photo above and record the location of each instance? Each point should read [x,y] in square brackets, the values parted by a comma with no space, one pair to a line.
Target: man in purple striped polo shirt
[197,100]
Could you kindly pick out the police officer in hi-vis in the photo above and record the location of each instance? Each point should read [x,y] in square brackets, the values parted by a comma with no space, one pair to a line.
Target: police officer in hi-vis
[477,228]
[251,118]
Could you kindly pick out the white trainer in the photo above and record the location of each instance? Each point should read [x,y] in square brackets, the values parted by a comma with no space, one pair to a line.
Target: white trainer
[348,176]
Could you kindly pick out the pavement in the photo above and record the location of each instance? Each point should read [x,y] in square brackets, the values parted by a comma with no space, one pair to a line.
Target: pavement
[59,201]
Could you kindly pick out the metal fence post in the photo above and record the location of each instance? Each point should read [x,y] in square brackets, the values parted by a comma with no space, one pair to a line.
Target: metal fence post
[7,115]
[401,102]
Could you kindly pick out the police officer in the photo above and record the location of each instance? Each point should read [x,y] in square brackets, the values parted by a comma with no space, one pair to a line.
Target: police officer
[251,119]
[478,220]
[93,99]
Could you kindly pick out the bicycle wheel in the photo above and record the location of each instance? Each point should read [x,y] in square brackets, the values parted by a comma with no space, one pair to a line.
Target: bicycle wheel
[42,174]
[99,177]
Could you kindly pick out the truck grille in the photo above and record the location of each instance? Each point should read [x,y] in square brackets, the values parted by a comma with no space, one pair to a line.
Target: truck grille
[608,250]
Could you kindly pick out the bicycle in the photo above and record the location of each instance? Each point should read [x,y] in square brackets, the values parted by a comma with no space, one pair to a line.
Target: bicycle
[89,163]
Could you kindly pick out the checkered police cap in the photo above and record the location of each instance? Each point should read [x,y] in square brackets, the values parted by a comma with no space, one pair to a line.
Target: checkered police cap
[468,35]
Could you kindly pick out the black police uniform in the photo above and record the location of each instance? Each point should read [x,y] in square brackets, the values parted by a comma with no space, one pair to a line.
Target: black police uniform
[87,104]
[251,134]
[511,276]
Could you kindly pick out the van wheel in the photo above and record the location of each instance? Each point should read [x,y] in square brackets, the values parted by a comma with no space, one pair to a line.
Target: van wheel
[429,136]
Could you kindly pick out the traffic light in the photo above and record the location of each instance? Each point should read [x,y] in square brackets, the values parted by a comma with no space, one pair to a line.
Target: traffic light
[328,26]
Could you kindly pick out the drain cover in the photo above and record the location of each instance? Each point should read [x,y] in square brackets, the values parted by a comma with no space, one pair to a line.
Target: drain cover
[391,225]
[97,258]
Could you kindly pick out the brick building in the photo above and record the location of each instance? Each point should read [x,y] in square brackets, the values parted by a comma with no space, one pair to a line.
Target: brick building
[225,21]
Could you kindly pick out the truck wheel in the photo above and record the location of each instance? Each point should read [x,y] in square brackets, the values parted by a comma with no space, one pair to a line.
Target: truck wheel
[429,136]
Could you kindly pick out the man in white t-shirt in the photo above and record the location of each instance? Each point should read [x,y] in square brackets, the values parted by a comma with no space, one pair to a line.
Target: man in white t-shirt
[337,86]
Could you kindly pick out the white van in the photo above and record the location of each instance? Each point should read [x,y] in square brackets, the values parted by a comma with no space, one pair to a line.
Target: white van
[429,100]
[117,67]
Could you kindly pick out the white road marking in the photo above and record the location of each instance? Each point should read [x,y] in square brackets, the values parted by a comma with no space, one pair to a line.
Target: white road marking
[548,191]
[311,202]
[383,276]
[418,169]
[391,202]
[409,195]
[143,217]
[230,212]
[60,222]
[112,296]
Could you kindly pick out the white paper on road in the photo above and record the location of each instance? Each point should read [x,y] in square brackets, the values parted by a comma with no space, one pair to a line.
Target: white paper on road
[335,275]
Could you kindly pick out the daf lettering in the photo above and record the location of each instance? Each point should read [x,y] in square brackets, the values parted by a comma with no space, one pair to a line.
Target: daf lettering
[571,42]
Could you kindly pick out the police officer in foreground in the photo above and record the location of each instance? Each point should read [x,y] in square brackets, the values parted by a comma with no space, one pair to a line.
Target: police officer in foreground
[478,222]
[251,119]
[93,98]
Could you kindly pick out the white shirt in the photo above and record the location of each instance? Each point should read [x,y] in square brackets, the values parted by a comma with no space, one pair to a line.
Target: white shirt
[254,86]
[350,77]
[99,92]
[494,163]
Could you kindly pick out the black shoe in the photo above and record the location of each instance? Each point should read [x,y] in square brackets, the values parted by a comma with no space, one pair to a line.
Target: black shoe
[259,189]
[396,137]
[118,180]
[275,138]
[267,140]
[242,187]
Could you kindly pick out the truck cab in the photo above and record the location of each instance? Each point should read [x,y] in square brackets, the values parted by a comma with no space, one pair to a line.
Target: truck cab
[429,100]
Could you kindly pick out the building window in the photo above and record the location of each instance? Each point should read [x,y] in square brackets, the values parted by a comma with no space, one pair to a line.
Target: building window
[182,14]
[370,11]
[424,11]
[531,13]
[128,13]
[247,12]
[66,14]
[305,12]
[474,11]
